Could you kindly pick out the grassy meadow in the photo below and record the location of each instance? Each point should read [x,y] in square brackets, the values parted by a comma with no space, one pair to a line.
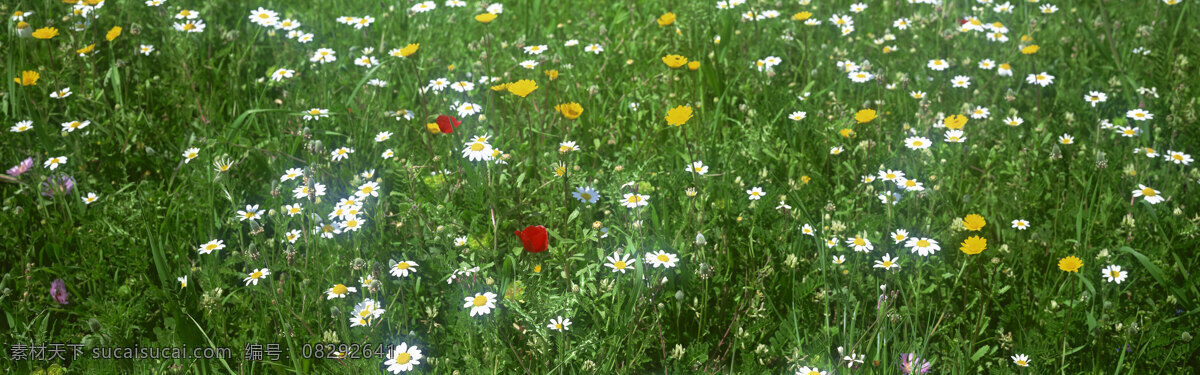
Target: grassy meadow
[600,187]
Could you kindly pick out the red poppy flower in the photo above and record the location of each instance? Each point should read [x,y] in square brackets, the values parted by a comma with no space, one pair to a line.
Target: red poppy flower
[534,238]
[447,124]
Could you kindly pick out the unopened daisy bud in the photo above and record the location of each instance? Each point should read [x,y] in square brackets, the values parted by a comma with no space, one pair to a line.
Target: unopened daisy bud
[700,241]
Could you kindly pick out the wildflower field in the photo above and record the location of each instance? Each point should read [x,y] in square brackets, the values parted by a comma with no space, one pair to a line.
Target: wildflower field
[600,187]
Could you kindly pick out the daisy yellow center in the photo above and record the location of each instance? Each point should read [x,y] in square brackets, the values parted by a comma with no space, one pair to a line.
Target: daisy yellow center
[558,326]
[1139,115]
[859,242]
[402,266]
[341,152]
[249,215]
[890,176]
[351,223]
[922,243]
[368,189]
[954,139]
[189,26]
[327,228]
[339,289]
[910,183]
[1021,363]
[314,112]
[185,12]
[1066,140]
[585,196]
[813,373]
[1115,273]
[1177,156]
[1149,192]
[191,155]
[755,193]
[263,16]
[403,358]
[620,264]
[479,301]
[210,247]
[564,148]
[1095,98]
[634,199]
[860,75]
[900,237]
[75,124]
[663,258]
[256,274]
[476,147]
[887,264]
[1041,77]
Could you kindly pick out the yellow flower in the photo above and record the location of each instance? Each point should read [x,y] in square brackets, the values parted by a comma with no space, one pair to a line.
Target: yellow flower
[522,88]
[955,121]
[45,33]
[1030,49]
[409,49]
[974,245]
[486,17]
[1070,264]
[113,33]
[847,133]
[86,50]
[666,19]
[801,16]
[694,65]
[865,116]
[1026,38]
[500,87]
[805,179]
[433,128]
[553,74]
[569,110]
[974,222]
[674,61]
[679,115]
[27,78]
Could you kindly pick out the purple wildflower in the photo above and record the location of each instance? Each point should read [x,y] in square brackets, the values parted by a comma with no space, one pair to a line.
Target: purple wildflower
[19,169]
[58,184]
[911,364]
[58,289]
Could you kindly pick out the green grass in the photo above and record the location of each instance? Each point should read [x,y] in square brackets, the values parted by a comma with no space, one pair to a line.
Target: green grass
[756,296]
